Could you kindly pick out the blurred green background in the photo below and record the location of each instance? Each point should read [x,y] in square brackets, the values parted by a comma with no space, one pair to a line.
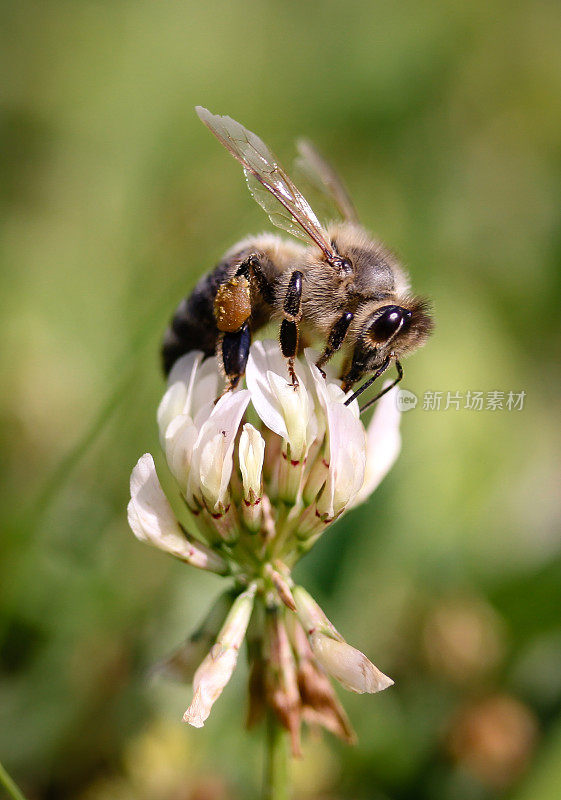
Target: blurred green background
[444,119]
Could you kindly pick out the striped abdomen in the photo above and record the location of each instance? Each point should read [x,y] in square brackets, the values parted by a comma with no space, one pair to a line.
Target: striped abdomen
[193,326]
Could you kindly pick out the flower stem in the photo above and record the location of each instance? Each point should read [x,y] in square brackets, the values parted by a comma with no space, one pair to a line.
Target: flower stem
[277,781]
[9,785]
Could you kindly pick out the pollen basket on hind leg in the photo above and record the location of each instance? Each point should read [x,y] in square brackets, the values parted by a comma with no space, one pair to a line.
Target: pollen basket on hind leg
[232,304]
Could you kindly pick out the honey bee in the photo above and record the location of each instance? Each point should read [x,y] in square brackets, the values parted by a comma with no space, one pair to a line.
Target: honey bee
[341,287]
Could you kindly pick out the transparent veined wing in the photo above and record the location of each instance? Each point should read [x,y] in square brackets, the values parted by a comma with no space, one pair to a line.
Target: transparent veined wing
[267,181]
[322,175]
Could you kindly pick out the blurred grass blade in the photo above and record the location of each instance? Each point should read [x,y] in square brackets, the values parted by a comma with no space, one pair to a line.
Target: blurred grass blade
[69,462]
[62,473]
[9,785]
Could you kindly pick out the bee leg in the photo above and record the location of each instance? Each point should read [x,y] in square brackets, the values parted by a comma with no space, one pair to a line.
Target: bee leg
[250,268]
[387,389]
[234,353]
[335,340]
[289,326]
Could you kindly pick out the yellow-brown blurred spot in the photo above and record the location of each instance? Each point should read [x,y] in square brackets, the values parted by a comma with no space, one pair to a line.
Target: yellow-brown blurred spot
[463,639]
[494,739]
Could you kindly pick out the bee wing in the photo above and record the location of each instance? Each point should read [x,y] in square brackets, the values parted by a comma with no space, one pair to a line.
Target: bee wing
[269,184]
[323,176]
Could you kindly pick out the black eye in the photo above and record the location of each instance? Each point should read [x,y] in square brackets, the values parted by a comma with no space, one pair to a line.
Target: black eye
[388,323]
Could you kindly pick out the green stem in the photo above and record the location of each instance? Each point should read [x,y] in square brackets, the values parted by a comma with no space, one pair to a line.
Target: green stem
[277,780]
[9,785]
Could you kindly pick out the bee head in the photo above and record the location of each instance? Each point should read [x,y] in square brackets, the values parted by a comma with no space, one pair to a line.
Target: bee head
[390,331]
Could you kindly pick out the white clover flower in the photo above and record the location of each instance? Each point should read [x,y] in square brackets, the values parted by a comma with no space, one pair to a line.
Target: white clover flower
[284,409]
[212,455]
[345,663]
[348,665]
[259,493]
[192,386]
[152,520]
[346,459]
[251,455]
[217,668]
[383,443]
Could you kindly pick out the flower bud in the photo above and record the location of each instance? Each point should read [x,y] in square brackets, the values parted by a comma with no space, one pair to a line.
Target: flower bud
[285,409]
[345,663]
[347,457]
[152,520]
[177,399]
[251,454]
[179,440]
[212,462]
[294,405]
[348,665]
[193,383]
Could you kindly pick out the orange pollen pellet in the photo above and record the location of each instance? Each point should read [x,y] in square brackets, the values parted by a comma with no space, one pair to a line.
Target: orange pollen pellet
[232,304]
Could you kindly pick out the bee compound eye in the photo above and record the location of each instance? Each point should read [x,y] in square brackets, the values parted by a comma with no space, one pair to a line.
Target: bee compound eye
[388,323]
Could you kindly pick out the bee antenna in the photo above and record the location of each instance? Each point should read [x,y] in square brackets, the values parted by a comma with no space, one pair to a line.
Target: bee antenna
[387,389]
[369,382]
